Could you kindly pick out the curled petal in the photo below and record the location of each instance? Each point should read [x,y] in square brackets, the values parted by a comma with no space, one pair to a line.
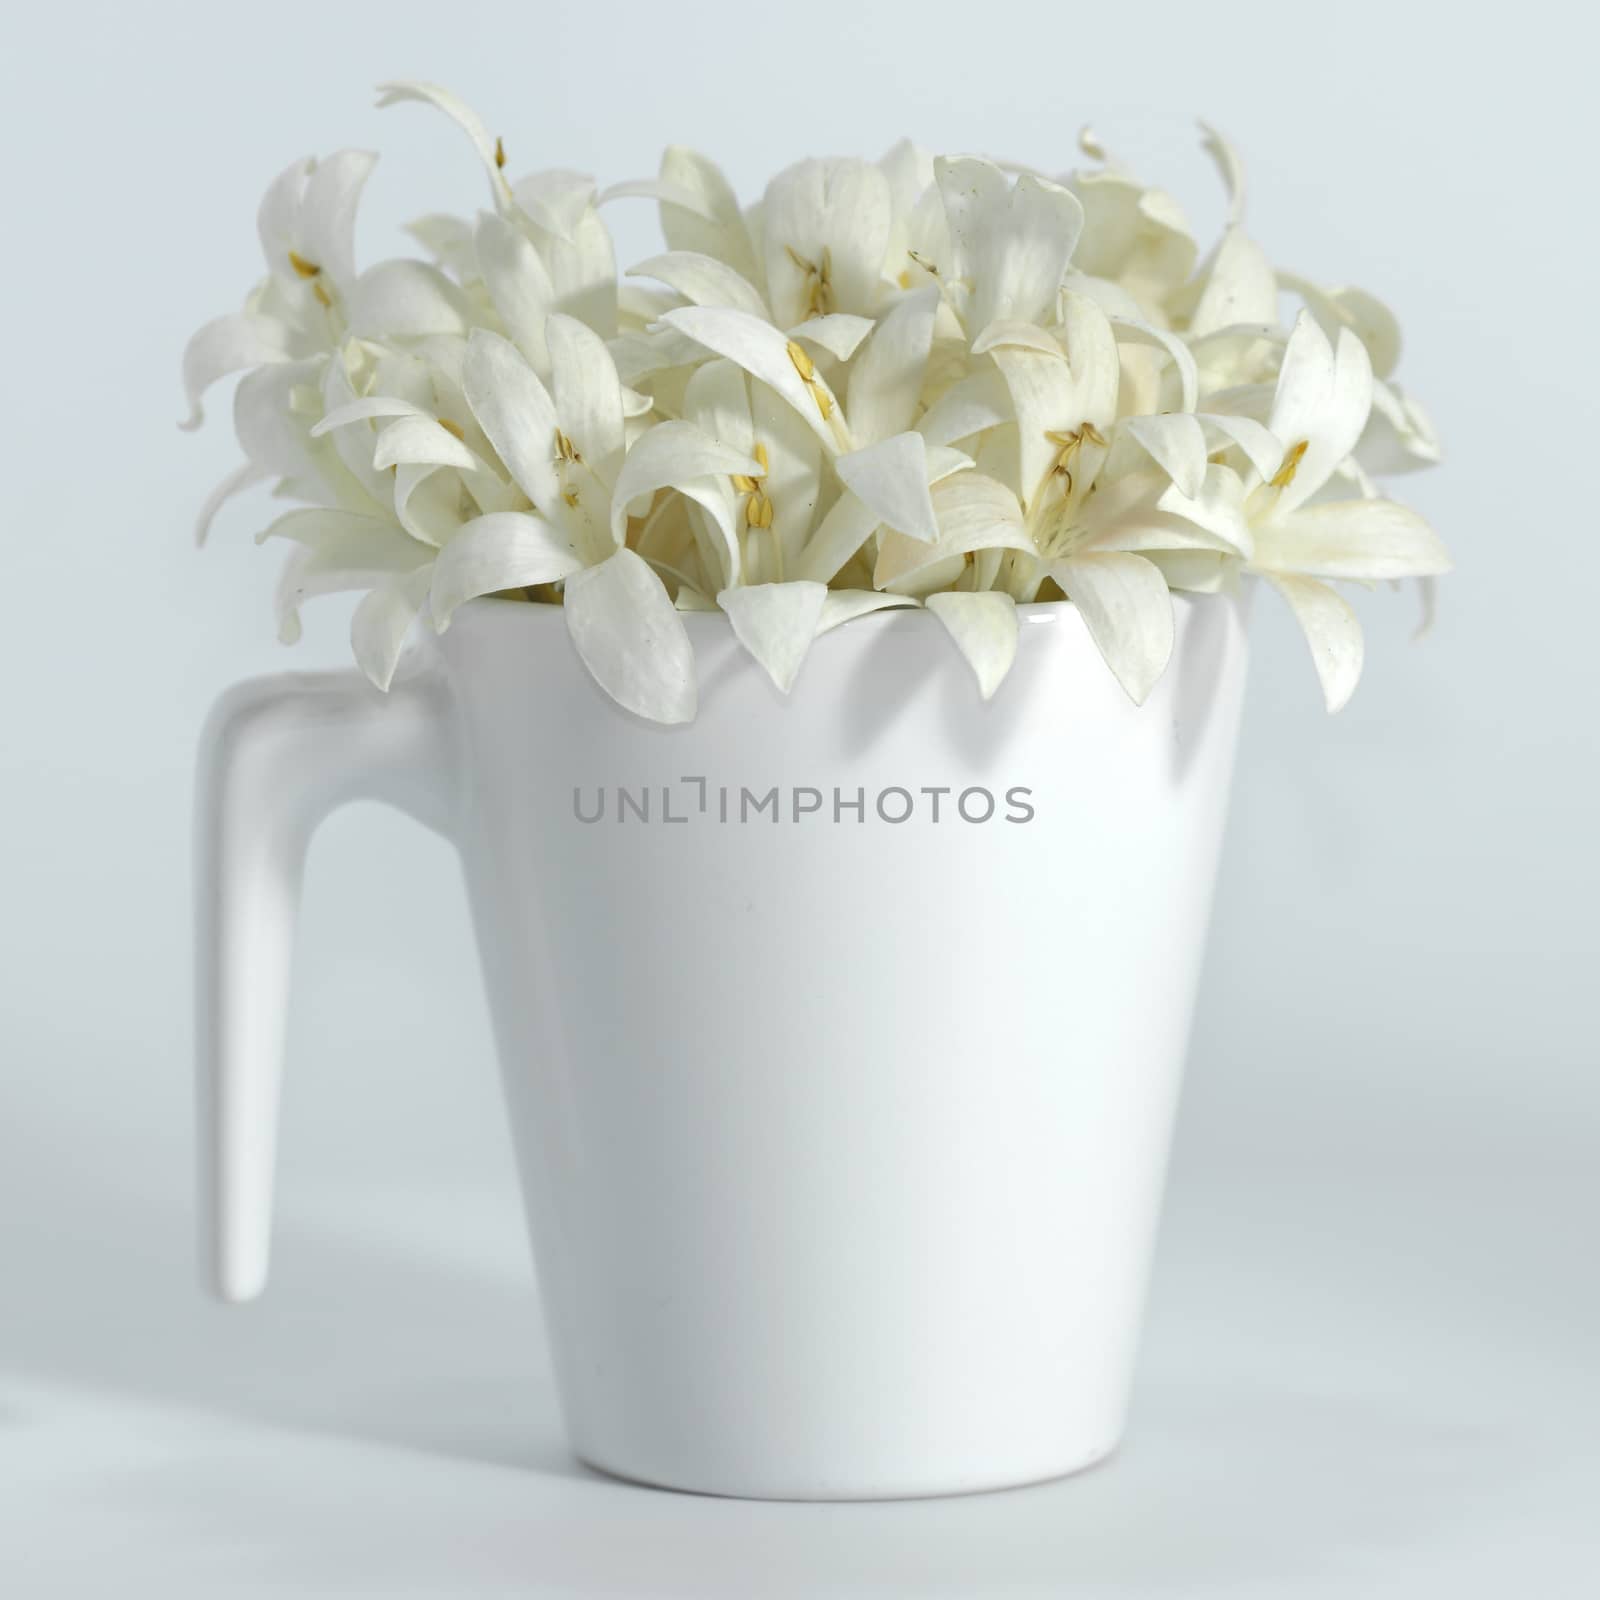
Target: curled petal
[1367,540]
[463,116]
[517,416]
[226,345]
[1331,630]
[506,550]
[776,623]
[984,627]
[629,635]
[518,283]
[1124,603]
[703,281]
[891,478]
[383,621]
[406,300]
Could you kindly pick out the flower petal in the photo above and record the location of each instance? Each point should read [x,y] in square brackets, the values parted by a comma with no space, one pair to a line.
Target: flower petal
[984,627]
[506,550]
[421,441]
[845,605]
[328,213]
[1261,447]
[1332,631]
[1124,603]
[848,525]
[1133,331]
[891,477]
[1361,539]
[406,300]
[1239,287]
[713,224]
[382,623]
[588,394]
[825,228]
[516,414]
[1322,400]
[974,512]
[462,115]
[839,333]
[703,281]
[1177,444]
[886,380]
[518,283]
[629,635]
[226,345]
[243,477]
[1012,242]
[776,623]
[763,351]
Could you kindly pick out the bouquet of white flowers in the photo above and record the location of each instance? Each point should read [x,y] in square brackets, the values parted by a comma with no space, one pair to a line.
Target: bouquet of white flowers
[935,382]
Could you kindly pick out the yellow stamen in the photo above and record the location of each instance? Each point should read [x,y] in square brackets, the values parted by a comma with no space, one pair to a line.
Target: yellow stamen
[566,450]
[322,294]
[452,427]
[570,496]
[745,485]
[1284,476]
[499,154]
[803,363]
[760,453]
[904,280]
[824,401]
[927,266]
[758,510]
[306,269]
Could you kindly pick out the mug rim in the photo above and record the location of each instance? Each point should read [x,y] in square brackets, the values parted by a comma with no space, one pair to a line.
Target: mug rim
[1033,613]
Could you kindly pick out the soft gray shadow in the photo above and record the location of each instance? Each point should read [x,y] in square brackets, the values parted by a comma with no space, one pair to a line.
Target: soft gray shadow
[353,1338]
[1196,672]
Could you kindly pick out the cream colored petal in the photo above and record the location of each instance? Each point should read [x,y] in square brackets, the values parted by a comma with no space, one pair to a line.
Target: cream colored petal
[1177,444]
[763,351]
[629,635]
[517,416]
[463,116]
[507,550]
[886,381]
[891,477]
[703,281]
[588,393]
[972,405]
[1131,331]
[327,223]
[984,627]
[1019,335]
[227,345]
[1013,242]
[839,334]
[1262,449]
[776,623]
[1331,630]
[556,200]
[1229,166]
[1218,508]
[373,408]
[382,623]
[1124,603]
[712,224]
[845,605]
[847,526]
[825,219]
[1399,435]
[519,285]
[1361,539]
[244,476]
[672,455]
[421,441]
[1240,287]
[1337,425]
[717,401]
[406,300]
[974,512]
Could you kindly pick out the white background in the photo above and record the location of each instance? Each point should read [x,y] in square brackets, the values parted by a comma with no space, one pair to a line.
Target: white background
[1371,1359]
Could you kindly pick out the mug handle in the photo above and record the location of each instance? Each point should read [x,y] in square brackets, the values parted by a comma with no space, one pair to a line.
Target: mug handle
[277,756]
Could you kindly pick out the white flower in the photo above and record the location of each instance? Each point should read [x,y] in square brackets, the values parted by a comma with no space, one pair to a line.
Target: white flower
[927,382]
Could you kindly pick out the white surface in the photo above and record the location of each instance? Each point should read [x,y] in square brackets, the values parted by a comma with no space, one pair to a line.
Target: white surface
[842,1139]
[1350,1387]
[1371,1365]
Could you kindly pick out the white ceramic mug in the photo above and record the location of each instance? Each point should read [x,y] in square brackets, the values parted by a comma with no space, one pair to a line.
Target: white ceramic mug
[841,1033]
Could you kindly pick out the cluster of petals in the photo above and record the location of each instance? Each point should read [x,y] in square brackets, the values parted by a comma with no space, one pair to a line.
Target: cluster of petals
[918,382]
